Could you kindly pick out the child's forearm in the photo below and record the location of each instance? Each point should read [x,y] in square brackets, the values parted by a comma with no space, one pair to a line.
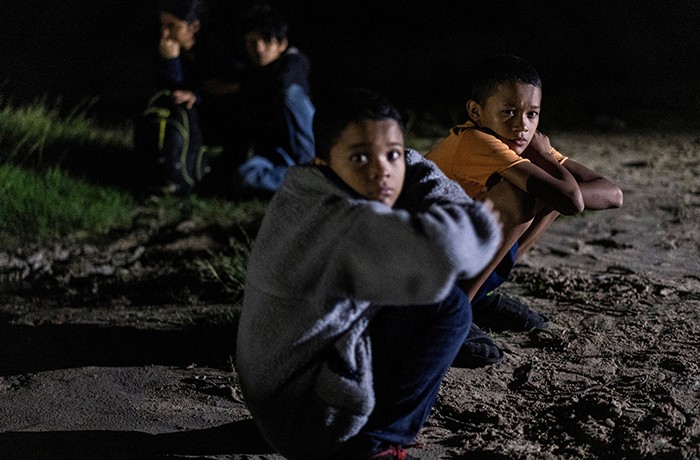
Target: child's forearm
[551,183]
[601,194]
[598,192]
[562,196]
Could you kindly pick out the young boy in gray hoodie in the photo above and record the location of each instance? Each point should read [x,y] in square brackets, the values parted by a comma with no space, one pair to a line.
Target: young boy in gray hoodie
[351,315]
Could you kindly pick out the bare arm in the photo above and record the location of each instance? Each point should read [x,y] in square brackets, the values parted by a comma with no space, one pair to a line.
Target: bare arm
[546,179]
[598,192]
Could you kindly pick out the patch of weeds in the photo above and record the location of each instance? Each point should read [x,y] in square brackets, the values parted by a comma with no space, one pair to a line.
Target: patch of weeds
[245,214]
[46,204]
[228,317]
[228,271]
[39,134]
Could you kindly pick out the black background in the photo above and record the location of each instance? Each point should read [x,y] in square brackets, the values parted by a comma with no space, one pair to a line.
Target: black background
[617,62]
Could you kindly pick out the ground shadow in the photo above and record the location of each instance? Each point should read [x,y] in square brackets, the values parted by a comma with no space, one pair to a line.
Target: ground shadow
[240,437]
[27,349]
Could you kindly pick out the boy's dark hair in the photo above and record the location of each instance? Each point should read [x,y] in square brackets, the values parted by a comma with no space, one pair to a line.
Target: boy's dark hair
[265,20]
[345,107]
[498,70]
[185,10]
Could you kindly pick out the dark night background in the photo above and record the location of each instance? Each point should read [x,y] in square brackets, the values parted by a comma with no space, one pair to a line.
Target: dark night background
[602,62]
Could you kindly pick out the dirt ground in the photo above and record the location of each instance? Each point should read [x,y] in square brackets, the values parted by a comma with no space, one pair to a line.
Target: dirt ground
[122,348]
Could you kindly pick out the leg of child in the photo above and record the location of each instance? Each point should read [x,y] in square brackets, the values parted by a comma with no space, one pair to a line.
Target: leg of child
[529,232]
[412,348]
[260,176]
[288,142]
[517,211]
[299,114]
[524,220]
[543,219]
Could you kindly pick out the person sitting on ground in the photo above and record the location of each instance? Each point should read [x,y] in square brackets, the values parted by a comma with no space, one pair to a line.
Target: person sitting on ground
[180,25]
[499,155]
[276,100]
[200,75]
[351,314]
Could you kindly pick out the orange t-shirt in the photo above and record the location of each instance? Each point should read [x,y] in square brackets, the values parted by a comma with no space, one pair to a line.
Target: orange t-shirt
[470,156]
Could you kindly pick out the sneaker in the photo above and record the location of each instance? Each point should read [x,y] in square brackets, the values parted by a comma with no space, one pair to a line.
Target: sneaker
[501,313]
[393,453]
[477,350]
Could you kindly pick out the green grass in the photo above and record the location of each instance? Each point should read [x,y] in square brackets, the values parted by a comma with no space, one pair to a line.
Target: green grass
[228,271]
[41,200]
[37,134]
[37,205]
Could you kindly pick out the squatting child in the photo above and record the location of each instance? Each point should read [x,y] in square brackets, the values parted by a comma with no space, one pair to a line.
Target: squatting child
[499,155]
[351,315]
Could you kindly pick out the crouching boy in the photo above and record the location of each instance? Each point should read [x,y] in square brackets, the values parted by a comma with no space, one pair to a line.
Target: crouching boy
[351,316]
[499,155]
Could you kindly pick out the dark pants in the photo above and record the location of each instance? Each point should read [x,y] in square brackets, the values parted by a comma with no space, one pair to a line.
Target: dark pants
[412,349]
[286,140]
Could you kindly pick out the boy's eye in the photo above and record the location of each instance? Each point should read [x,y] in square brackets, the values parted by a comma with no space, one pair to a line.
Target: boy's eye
[359,158]
[509,112]
[394,155]
[533,114]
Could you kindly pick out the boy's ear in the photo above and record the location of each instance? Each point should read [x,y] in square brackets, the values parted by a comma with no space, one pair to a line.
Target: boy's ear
[284,44]
[195,25]
[474,110]
[320,162]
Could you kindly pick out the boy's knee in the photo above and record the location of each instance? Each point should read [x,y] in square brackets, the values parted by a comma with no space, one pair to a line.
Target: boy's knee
[459,307]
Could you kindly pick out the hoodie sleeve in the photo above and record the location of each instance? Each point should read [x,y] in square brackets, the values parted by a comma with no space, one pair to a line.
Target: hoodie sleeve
[413,255]
[426,184]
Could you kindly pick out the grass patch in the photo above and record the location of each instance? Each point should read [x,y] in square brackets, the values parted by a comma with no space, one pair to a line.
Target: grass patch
[37,134]
[57,177]
[47,204]
[228,271]
[209,211]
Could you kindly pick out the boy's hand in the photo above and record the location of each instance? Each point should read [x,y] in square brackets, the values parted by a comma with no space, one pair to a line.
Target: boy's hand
[488,204]
[539,152]
[184,97]
[539,144]
[168,48]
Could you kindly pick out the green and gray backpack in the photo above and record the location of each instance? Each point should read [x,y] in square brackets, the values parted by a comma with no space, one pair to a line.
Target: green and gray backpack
[169,151]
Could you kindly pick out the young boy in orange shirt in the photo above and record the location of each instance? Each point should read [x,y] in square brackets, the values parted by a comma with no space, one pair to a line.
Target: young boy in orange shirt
[499,155]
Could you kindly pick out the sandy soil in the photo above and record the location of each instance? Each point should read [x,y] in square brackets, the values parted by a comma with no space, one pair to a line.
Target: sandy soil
[122,349]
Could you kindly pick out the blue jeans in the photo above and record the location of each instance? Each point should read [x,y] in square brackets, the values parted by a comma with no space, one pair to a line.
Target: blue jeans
[412,349]
[265,171]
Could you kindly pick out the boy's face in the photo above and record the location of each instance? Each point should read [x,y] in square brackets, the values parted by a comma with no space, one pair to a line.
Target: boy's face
[369,158]
[512,112]
[178,30]
[263,52]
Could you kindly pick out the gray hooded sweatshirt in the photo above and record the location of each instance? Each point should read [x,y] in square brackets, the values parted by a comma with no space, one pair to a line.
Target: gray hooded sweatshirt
[323,260]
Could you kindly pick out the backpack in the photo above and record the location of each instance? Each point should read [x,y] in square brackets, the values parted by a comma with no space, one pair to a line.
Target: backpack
[168,145]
